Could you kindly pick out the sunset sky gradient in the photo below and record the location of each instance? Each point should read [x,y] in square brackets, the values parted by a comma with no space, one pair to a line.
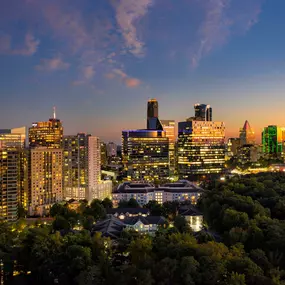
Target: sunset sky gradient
[99,61]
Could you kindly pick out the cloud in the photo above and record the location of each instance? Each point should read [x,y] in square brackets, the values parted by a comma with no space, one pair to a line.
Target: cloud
[88,72]
[28,48]
[52,64]
[132,82]
[128,81]
[223,18]
[128,13]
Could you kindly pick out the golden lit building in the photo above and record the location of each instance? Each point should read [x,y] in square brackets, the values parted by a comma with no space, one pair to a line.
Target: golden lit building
[201,148]
[247,135]
[13,174]
[75,170]
[145,154]
[46,179]
[46,134]
[169,128]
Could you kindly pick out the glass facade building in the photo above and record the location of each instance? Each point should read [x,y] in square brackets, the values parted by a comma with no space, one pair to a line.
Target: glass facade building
[247,135]
[201,149]
[169,128]
[75,166]
[145,154]
[273,140]
[203,112]
[13,174]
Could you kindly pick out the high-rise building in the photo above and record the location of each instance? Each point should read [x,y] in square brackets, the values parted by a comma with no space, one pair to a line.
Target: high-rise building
[14,172]
[201,149]
[46,134]
[94,166]
[203,112]
[46,179]
[152,108]
[104,160]
[273,140]
[153,122]
[145,154]
[232,146]
[247,135]
[169,128]
[111,149]
[75,166]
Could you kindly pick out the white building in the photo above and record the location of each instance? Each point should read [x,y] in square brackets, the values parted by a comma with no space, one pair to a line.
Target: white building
[46,179]
[144,192]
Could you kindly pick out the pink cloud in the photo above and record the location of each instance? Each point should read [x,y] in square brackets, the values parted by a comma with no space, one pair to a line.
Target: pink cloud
[128,13]
[53,64]
[88,72]
[132,82]
[28,48]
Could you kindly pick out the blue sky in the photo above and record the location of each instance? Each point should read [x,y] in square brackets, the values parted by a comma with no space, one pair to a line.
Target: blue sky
[100,61]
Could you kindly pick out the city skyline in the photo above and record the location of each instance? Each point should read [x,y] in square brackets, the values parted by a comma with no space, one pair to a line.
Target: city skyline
[82,59]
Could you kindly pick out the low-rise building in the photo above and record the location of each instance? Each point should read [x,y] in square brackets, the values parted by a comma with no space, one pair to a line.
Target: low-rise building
[123,213]
[180,191]
[193,216]
[149,224]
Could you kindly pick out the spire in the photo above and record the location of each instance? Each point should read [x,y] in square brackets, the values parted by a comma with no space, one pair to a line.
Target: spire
[54,112]
[246,125]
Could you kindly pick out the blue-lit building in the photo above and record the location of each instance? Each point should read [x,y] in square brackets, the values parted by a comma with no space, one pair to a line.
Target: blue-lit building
[145,155]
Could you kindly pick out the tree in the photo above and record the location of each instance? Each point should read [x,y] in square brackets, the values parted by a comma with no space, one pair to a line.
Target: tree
[107,203]
[236,279]
[181,225]
[60,223]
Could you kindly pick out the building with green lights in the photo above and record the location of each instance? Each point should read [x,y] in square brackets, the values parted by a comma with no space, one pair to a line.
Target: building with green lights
[273,138]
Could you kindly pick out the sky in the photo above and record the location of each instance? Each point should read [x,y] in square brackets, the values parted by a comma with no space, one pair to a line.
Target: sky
[99,61]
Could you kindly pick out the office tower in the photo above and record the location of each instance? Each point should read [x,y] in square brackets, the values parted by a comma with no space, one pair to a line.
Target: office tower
[233,145]
[248,153]
[203,112]
[247,135]
[152,108]
[273,141]
[46,134]
[104,160]
[169,128]
[201,149]
[22,132]
[153,122]
[111,149]
[145,154]
[46,179]
[12,174]
[75,166]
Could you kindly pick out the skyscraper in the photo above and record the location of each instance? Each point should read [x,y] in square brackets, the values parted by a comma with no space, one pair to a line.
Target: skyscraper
[10,175]
[273,141]
[46,134]
[145,154]
[203,112]
[152,108]
[111,149]
[201,148]
[46,179]
[169,128]
[75,169]
[153,122]
[14,172]
[247,135]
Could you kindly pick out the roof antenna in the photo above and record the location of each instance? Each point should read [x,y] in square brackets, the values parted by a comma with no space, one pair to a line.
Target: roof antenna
[54,112]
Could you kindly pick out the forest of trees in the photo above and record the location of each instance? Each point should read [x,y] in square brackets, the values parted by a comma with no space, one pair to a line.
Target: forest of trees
[247,213]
